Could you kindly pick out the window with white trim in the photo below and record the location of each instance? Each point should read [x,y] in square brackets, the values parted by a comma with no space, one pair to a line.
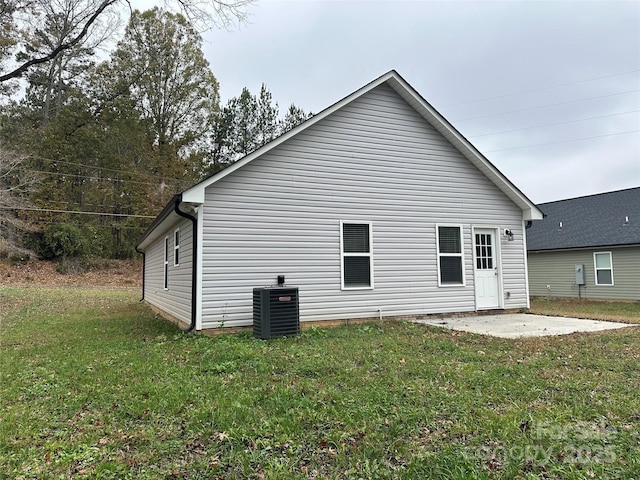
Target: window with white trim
[450,256]
[176,248]
[356,255]
[166,263]
[603,267]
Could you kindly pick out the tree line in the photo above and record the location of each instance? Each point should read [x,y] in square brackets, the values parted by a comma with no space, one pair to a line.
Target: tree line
[92,149]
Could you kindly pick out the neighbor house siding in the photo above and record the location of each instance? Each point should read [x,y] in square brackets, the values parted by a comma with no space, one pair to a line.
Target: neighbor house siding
[375,160]
[176,299]
[557,269]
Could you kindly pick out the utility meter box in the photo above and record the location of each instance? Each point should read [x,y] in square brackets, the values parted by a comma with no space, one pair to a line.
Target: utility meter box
[579,274]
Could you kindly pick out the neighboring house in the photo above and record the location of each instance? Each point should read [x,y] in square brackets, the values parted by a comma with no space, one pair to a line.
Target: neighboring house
[375,207]
[587,247]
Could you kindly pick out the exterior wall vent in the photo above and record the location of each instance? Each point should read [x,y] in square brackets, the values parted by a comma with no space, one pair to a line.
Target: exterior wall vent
[275,312]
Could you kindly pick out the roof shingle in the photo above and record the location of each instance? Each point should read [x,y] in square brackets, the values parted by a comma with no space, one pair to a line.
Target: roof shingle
[600,220]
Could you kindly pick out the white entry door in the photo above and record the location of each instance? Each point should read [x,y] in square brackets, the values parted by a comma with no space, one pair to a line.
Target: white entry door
[486,269]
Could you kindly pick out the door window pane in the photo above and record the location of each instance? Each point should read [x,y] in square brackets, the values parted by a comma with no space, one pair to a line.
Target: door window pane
[484,251]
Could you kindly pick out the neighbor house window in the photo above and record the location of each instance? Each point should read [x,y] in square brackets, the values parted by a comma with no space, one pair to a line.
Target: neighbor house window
[450,259]
[166,263]
[176,248]
[356,255]
[604,268]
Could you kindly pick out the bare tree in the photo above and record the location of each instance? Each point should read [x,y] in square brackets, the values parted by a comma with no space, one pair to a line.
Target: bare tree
[50,83]
[19,20]
[16,183]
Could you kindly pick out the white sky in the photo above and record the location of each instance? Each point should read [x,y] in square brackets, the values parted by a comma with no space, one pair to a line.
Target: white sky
[575,60]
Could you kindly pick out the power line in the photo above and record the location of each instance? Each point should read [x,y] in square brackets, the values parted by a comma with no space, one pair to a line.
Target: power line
[98,168]
[562,141]
[83,204]
[93,178]
[552,124]
[545,106]
[78,213]
[541,88]
[93,225]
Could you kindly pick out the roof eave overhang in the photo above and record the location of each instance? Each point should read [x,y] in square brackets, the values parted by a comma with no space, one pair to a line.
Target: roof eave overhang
[166,219]
[587,247]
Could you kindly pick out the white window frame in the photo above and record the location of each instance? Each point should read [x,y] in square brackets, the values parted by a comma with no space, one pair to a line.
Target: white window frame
[165,266]
[354,254]
[460,255]
[176,247]
[595,269]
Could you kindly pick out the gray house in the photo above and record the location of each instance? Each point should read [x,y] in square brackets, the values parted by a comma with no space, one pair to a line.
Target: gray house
[374,208]
[587,247]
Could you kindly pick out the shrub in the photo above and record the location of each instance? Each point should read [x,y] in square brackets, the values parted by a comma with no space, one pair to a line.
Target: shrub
[62,240]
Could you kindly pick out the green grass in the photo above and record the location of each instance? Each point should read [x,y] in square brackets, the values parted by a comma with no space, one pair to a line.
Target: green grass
[597,309]
[93,385]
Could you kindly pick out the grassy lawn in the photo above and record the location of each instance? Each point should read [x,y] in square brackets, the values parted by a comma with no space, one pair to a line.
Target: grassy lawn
[93,385]
[597,309]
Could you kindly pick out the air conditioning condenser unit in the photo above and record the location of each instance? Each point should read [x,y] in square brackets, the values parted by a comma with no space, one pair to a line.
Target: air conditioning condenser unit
[275,312]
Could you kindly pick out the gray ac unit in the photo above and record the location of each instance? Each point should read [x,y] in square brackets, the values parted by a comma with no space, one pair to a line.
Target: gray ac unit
[275,312]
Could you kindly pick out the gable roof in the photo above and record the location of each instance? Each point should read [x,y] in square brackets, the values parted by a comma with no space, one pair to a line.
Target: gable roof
[393,79]
[601,220]
[195,194]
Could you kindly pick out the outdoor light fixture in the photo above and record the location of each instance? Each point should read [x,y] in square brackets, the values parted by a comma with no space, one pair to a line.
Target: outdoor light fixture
[509,234]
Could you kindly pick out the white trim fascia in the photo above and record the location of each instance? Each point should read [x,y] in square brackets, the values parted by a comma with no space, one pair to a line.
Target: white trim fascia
[498,250]
[570,249]
[526,262]
[195,193]
[199,264]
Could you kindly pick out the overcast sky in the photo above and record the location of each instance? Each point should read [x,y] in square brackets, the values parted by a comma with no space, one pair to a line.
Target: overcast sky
[523,81]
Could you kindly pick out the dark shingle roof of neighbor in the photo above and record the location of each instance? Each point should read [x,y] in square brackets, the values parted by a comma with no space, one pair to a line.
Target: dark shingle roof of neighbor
[604,219]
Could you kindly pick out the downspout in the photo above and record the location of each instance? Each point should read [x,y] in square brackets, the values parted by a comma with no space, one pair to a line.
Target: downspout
[194,223]
[144,264]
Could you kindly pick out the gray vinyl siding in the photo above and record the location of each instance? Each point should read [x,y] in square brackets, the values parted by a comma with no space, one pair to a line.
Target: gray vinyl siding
[556,269]
[375,160]
[176,300]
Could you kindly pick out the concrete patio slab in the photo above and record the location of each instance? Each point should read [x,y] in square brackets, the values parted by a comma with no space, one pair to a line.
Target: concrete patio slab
[520,325]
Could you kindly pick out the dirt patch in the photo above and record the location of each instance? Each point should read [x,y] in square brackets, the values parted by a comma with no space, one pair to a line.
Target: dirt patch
[105,273]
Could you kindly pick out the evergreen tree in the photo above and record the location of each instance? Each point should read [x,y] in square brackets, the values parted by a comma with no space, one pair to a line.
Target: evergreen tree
[245,124]
[267,118]
[294,117]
